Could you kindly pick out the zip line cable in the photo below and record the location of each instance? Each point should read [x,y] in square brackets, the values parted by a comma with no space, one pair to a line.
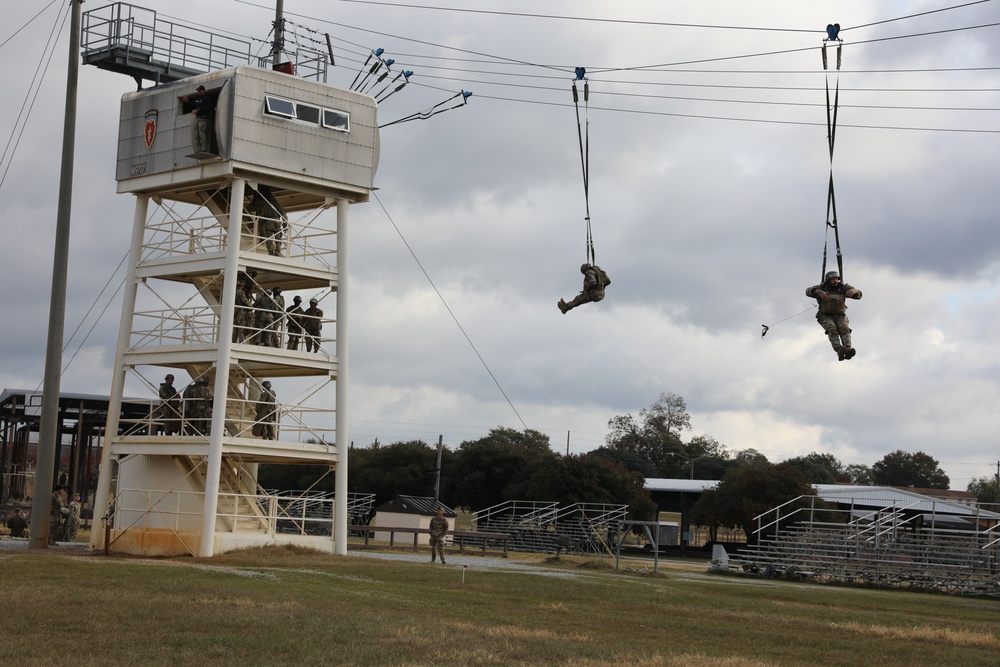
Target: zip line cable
[16,32]
[36,83]
[448,308]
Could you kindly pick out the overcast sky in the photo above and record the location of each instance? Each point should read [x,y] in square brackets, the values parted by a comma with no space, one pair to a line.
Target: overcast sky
[708,166]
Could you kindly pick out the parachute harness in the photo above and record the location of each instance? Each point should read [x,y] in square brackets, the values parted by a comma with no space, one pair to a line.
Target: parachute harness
[583,134]
[832,32]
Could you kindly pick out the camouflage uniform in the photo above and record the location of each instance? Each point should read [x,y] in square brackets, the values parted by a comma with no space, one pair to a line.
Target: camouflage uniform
[265,308]
[593,288]
[294,317]
[198,406]
[169,412]
[17,524]
[439,527]
[267,412]
[270,219]
[72,524]
[312,323]
[832,313]
[243,317]
[57,514]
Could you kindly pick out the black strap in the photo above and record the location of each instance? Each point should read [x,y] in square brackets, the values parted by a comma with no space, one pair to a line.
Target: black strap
[831,128]
[583,134]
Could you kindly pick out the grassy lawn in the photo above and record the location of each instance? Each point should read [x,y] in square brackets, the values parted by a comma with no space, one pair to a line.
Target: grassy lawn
[289,606]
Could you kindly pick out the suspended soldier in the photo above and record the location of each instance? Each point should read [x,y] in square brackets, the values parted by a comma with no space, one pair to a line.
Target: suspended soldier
[831,296]
[266,413]
[594,282]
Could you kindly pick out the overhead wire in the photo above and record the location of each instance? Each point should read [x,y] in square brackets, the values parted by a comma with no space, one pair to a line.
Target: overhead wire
[448,308]
[17,131]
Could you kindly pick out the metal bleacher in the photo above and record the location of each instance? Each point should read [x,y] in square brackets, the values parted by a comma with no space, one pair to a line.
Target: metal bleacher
[894,546]
[545,527]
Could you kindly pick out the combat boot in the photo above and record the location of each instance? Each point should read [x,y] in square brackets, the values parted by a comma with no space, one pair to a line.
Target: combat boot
[562,306]
[841,353]
[849,353]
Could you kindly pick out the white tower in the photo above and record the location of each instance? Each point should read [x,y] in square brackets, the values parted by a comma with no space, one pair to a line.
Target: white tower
[258,203]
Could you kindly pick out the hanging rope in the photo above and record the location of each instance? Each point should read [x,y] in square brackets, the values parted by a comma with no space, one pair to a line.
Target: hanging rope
[583,134]
[832,32]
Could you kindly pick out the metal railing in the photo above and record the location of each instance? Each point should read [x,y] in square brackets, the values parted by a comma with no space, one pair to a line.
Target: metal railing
[124,30]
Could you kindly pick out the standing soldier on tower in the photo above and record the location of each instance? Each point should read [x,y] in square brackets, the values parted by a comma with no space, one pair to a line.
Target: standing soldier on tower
[169,412]
[202,106]
[312,322]
[198,406]
[265,315]
[267,412]
[294,317]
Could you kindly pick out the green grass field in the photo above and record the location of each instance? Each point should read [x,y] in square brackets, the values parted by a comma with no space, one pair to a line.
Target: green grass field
[288,606]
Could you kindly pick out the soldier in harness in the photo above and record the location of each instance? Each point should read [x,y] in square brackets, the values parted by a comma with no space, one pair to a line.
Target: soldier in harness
[832,315]
[594,281]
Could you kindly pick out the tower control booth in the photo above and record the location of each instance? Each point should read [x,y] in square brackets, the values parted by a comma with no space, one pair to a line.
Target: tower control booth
[237,288]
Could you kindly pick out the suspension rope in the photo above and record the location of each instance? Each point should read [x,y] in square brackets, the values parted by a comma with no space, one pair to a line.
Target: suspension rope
[583,134]
[832,32]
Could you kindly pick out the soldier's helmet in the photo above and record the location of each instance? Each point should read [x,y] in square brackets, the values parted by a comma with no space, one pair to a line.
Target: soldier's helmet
[830,275]
[265,383]
[276,291]
[584,268]
[203,379]
[296,299]
[169,377]
[313,301]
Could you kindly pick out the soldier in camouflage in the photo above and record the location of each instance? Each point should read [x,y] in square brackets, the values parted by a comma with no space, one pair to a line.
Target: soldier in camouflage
[831,296]
[243,318]
[439,527]
[57,513]
[594,282]
[198,406]
[169,412]
[72,523]
[266,413]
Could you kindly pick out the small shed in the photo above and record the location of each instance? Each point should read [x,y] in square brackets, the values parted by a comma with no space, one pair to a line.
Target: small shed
[410,512]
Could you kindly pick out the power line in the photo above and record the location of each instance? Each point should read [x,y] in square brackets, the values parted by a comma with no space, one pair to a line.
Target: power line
[448,308]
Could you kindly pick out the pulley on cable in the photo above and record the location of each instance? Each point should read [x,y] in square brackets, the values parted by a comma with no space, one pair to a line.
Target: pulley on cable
[832,293]
[371,75]
[595,279]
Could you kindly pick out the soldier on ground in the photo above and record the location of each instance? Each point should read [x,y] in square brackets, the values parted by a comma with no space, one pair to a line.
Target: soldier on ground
[439,526]
[17,524]
[72,522]
[594,282]
[312,323]
[57,513]
[831,297]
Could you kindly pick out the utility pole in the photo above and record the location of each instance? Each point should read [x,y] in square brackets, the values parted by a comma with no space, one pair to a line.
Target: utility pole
[437,470]
[567,443]
[48,432]
[279,32]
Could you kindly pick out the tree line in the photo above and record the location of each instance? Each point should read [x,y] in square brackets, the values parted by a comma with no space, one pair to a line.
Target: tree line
[508,464]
